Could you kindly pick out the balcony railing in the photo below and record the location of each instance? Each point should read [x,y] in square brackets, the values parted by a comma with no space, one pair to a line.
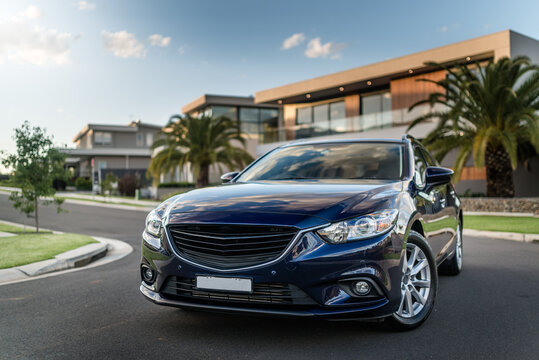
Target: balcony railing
[352,124]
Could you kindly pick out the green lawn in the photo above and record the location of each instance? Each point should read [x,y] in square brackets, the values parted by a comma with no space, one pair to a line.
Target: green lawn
[523,225]
[19,230]
[28,248]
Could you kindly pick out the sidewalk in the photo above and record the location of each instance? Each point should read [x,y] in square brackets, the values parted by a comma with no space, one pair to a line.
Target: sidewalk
[113,199]
[98,200]
[528,238]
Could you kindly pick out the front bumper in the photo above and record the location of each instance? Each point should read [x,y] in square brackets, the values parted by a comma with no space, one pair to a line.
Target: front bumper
[322,271]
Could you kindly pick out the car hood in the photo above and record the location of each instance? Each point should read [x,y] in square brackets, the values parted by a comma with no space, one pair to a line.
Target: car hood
[297,203]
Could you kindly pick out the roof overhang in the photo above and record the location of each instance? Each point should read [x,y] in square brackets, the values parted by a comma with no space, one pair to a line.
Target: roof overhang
[105,152]
[222,100]
[379,74]
[131,127]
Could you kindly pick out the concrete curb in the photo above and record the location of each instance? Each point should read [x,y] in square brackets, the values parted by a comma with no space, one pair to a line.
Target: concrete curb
[528,238]
[105,251]
[116,250]
[67,260]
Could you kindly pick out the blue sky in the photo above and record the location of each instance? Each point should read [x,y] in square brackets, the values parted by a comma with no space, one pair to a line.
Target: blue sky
[64,64]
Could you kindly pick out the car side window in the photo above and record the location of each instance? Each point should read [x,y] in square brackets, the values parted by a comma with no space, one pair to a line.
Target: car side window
[420,167]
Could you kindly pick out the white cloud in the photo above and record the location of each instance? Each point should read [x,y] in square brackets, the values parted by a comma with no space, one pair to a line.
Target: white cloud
[293,41]
[25,44]
[316,49]
[446,28]
[159,40]
[85,5]
[31,12]
[443,28]
[123,44]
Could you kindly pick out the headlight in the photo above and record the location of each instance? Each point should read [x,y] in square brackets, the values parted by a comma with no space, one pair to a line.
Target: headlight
[359,228]
[154,224]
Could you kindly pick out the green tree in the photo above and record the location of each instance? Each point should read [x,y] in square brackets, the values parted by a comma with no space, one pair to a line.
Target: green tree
[201,143]
[107,185]
[489,112]
[35,165]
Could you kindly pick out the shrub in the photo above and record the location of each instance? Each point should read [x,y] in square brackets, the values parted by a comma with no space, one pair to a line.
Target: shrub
[128,184]
[59,184]
[108,184]
[175,184]
[83,184]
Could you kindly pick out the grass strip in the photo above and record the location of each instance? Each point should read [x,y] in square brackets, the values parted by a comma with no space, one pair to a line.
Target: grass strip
[522,225]
[28,248]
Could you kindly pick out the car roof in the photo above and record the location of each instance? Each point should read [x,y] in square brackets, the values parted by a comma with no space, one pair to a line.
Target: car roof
[341,141]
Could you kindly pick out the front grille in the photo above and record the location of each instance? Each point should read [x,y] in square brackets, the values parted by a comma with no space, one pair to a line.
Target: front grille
[231,246]
[263,293]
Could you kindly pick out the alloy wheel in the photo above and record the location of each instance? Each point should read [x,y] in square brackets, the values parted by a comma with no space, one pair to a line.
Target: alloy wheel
[416,282]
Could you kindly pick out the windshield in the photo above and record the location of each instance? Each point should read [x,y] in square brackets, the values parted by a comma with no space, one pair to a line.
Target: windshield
[361,160]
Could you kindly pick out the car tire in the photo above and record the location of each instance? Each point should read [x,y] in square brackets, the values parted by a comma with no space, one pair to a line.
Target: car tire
[416,285]
[453,265]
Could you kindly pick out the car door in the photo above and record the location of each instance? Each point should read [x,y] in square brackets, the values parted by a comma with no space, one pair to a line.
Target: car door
[429,202]
[445,209]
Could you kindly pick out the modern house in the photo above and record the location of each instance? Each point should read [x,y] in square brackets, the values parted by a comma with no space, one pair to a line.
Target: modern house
[373,101]
[112,148]
[259,123]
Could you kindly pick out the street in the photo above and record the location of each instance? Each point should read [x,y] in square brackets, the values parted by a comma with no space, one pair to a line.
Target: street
[489,311]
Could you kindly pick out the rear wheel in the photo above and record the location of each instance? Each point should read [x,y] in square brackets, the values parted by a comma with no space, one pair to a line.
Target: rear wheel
[419,284]
[453,265]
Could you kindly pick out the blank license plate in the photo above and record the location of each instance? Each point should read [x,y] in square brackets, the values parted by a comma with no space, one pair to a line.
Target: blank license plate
[224,284]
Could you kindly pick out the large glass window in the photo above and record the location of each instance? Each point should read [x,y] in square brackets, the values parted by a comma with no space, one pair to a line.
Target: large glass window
[149,139]
[337,114]
[250,120]
[321,113]
[376,103]
[325,119]
[102,138]
[371,104]
[321,119]
[304,116]
[376,111]
[227,111]
[269,119]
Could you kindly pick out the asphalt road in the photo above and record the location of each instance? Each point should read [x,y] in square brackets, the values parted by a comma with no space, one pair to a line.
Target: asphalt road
[491,310]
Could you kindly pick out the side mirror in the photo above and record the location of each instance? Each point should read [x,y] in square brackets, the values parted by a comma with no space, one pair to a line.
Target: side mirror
[438,175]
[225,178]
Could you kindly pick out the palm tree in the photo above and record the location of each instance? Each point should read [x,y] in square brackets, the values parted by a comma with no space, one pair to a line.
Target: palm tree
[490,112]
[201,143]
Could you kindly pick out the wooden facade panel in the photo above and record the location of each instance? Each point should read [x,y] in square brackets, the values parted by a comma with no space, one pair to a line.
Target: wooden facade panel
[473,173]
[407,91]
[351,103]
[289,117]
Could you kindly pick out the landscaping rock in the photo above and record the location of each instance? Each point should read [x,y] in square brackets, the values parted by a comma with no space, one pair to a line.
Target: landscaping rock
[508,205]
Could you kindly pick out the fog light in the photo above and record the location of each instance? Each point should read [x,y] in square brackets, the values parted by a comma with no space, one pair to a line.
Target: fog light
[147,274]
[362,288]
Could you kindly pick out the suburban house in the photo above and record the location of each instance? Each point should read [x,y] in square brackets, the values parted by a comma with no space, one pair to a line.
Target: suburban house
[119,149]
[258,123]
[373,101]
